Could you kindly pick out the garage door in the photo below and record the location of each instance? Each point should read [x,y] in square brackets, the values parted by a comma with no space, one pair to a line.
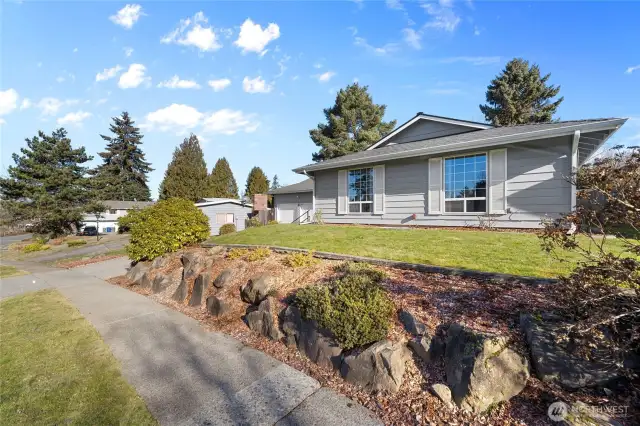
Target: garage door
[287,212]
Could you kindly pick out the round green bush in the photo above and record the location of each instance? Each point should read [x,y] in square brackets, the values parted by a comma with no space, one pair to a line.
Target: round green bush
[164,227]
[33,247]
[76,243]
[355,308]
[227,228]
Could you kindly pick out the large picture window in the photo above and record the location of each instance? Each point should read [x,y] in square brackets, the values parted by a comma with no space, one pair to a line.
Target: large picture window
[360,190]
[465,184]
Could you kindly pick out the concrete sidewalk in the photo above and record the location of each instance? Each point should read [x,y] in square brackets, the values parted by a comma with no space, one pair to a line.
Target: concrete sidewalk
[188,376]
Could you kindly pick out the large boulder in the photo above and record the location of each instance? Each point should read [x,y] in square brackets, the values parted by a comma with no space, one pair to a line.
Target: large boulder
[257,289]
[379,367]
[222,279]
[264,320]
[428,348]
[161,261]
[193,262]
[200,285]
[443,393]
[553,362]
[145,281]
[136,272]
[411,323]
[317,343]
[181,292]
[217,307]
[160,283]
[481,369]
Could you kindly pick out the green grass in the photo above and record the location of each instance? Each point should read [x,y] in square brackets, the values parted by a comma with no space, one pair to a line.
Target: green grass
[57,370]
[10,271]
[115,252]
[505,252]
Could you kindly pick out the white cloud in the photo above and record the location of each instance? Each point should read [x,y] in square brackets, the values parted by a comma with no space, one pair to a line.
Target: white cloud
[394,4]
[101,101]
[190,32]
[317,65]
[632,69]
[127,16]
[178,117]
[378,51]
[60,79]
[256,85]
[476,31]
[229,122]
[128,51]
[2,121]
[108,73]
[175,83]
[282,65]
[75,50]
[444,18]
[26,103]
[8,101]
[51,106]
[253,38]
[473,60]
[39,64]
[324,77]
[133,77]
[74,118]
[412,38]
[220,84]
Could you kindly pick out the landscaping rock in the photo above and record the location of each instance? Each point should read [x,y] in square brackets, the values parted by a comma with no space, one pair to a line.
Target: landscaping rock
[257,289]
[379,367]
[199,287]
[443,393]
[136,272]
[481,369]
[428,348]
[160,283]
[181,292]
[411,324]
[217,307]
[553,362]
[193,262]
[262,320]
[145,281]
[317,343]
[581,414]
[222,279]
[161,262]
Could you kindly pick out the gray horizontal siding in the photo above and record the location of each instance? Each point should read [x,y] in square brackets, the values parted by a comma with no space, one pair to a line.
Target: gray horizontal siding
[239,214]
[536,188]
[425,129]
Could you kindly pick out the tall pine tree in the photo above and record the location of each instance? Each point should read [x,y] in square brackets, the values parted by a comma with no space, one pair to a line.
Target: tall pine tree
[47,184]
[186,175]
[353,124]
[519,95]
[257,183]
[222,184]
[275,183]
[123,172]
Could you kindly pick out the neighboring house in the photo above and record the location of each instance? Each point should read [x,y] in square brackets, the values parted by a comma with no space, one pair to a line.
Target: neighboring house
[108,221]
[293,203]
[438,171]
[224,210]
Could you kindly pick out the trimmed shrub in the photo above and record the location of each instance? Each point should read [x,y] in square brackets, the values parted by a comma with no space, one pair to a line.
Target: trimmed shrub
[125,222]
[272,222]
[40,238]
[33,247]
[237,253]
[355,308]
[227,228]
[76,243]
[253,222]
[347,268]
[300,259]
[165,227]
[259,254]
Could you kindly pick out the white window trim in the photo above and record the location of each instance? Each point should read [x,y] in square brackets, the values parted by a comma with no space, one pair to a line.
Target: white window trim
[444,199]
[373,187]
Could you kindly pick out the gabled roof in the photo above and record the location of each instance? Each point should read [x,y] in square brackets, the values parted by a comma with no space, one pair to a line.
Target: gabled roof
[472,125]
[304,186]
[215,201]
[471,140]
[126,205]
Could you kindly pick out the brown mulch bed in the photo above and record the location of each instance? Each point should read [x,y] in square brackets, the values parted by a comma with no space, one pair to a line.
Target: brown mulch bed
[435,299]
[82,262]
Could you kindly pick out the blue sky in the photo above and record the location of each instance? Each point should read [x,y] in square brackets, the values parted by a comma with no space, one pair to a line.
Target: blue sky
[251,78]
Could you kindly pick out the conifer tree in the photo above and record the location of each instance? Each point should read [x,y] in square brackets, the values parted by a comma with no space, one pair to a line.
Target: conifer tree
[222,184]
[123,172]
[275,183]
[186,175]
[257,183]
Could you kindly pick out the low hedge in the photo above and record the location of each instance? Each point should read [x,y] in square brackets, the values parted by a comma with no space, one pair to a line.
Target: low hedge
[76,243]
[227,228]
[355,308]
[33,247]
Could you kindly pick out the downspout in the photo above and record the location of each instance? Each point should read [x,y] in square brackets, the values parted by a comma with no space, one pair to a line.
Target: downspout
[574,167]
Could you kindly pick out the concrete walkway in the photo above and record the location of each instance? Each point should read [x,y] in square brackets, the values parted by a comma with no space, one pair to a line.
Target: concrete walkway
[188,376]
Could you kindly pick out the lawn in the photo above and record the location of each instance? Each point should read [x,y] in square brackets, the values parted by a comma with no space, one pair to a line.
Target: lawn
[10,271]
[506,252]
[57,370]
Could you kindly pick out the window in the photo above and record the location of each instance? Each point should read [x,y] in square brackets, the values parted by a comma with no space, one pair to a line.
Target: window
[465,184]
[113,211]
[222,218]
[360,190]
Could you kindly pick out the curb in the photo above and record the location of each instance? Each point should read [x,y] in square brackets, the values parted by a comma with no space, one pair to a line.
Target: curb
[460,272]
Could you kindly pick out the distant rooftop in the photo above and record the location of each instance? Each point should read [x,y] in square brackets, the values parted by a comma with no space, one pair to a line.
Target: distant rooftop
[304,186]
[127,205]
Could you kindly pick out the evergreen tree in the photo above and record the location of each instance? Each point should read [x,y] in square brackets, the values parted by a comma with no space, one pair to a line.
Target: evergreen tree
[186,175]
[47,184]
[519,95]
[353,124]
[257,183]
[275,184]
[123,172]
[222,184]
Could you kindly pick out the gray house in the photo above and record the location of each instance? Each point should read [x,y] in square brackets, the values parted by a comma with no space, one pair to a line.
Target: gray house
[293,203]
[439,171]
[224,210]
